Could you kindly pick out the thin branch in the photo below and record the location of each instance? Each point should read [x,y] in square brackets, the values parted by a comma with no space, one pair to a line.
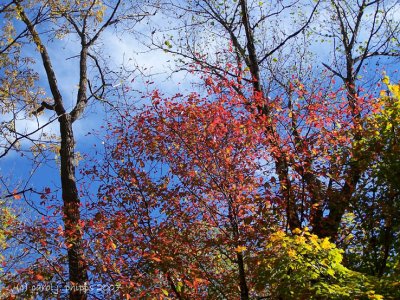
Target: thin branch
[22,192]
[4,8]
[9,45]
[333,71]
[291,35]
[22,136]
[109,22]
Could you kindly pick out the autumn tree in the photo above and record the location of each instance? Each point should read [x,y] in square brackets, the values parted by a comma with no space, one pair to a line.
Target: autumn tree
[359,32]
[181,183]
[240,24]
[23,94]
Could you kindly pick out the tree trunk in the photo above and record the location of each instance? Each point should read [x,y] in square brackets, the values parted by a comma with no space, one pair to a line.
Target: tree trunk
[244,290]
[73,232]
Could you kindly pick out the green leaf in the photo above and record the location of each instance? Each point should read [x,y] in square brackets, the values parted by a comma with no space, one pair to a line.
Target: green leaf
[179,286]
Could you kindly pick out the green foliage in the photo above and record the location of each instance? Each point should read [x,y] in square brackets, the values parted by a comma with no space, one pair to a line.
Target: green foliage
[304,266]
[370,234]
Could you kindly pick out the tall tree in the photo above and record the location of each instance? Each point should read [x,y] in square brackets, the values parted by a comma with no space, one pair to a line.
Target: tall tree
[361,32]
[194,223]
[40,23]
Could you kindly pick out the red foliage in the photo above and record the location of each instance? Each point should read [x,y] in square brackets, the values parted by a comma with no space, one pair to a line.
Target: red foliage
[191,189]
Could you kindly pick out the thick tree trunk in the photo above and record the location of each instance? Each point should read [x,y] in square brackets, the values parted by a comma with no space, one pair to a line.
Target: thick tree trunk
[73,232]
[251,49]
[337,205]
[282,170]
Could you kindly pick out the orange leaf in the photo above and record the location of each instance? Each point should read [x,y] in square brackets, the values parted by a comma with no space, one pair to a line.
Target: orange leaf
[16,196]
[39,277]
[156,259]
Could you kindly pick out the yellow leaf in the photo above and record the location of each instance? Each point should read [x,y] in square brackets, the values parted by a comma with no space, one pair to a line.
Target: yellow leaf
[385,80]
[395,90]
[240,248]
[113,246]
[292,253]
[326,244]
[296,231]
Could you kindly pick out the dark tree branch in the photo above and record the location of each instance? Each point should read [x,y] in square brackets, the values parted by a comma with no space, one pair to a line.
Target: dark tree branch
[51,76]
[44,105]
[109,22]
[333,71]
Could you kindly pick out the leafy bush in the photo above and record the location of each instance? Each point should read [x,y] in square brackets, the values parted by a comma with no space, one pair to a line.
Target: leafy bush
[304,266]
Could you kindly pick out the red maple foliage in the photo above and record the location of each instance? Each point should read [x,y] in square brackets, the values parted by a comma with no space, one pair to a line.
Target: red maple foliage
[191,190]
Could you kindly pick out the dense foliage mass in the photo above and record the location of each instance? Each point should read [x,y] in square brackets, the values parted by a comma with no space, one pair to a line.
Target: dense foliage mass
[189,194]
[275,175]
